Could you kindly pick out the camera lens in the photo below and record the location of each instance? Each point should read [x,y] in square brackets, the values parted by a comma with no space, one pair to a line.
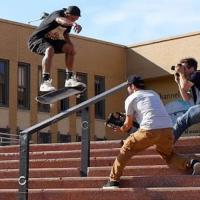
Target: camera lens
[172,67]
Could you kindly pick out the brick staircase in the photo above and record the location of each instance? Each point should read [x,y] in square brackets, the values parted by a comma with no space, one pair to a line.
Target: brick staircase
[54,173]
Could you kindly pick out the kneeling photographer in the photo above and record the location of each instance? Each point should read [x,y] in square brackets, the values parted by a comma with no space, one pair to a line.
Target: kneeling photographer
[188,80]
[155,129]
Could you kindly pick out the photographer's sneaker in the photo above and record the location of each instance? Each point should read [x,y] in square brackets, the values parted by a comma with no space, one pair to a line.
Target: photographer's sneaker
[73,82]
[196,169]
[111,185]
[46,86]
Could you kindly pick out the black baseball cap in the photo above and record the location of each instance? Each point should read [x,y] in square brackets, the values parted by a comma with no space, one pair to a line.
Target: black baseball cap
[73,10]
[135,80]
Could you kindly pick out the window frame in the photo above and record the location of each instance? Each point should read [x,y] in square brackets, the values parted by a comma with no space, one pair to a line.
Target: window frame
[99,106]
[6,83]
[26,105]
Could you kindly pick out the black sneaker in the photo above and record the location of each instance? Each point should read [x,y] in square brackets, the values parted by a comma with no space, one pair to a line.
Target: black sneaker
[196,169]
[111,185]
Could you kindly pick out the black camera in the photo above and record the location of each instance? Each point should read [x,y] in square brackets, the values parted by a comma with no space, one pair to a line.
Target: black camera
[173,67]
[117,119]
[179,64]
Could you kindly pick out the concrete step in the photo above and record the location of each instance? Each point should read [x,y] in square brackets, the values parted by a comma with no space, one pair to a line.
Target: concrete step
[42,172]
[98,182]
[190,140]
[76,162]
[147,170]
[184,141]
[63,146]
[55,173]
[170,193]
[93,153]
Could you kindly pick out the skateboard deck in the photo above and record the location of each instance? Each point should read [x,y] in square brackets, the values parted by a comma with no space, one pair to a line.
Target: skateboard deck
[54,96]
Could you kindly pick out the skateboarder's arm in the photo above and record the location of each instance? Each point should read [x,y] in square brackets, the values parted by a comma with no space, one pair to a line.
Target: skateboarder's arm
[64,21]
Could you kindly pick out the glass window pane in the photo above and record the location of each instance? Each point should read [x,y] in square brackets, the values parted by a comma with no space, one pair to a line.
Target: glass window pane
[4,82]
[99,106]
[23,85]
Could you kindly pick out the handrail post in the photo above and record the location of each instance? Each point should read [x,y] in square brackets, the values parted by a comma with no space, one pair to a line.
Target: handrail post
[24,167]
[85,145]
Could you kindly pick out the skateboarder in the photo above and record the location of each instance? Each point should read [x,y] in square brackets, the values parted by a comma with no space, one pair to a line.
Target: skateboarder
[52,37]
[155,129]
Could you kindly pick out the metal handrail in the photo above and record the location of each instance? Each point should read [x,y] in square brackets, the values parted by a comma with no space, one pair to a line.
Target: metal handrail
[25,136]
[8,140]
[8,134]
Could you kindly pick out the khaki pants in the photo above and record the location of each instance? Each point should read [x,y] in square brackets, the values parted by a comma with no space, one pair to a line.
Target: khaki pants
[142,139]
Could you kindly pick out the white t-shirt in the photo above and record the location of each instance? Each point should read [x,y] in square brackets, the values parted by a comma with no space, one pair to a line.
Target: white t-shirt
[148,109]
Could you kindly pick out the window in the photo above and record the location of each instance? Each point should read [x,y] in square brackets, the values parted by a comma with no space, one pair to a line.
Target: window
[43,137]
[4,81]
[64,104]
[4,137]
[99,139]
[99,106]
[41,107]
[78,138]
[23,86]
[64,138]
[82,77]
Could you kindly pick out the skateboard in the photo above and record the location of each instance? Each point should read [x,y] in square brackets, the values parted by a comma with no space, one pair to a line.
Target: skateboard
[56,95]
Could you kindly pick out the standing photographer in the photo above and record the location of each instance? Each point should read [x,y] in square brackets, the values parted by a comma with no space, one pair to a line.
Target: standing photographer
[188,79]
[155,129]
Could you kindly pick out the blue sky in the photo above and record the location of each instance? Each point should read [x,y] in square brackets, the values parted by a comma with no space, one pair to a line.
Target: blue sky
[123,22]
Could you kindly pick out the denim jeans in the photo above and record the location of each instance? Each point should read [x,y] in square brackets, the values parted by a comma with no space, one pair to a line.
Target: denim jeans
[192,116]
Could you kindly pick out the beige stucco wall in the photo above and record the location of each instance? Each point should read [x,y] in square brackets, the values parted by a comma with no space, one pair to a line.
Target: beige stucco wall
[4,113]
[154,59]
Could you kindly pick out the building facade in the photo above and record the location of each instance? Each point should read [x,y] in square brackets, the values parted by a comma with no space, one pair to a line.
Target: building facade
[101,65]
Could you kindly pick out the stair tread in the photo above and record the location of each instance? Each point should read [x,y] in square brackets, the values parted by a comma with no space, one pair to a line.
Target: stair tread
[55,173]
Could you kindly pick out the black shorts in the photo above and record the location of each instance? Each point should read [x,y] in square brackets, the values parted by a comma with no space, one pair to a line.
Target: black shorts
[39,45]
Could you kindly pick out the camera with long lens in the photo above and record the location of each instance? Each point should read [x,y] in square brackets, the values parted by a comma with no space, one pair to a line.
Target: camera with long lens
[173,68]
